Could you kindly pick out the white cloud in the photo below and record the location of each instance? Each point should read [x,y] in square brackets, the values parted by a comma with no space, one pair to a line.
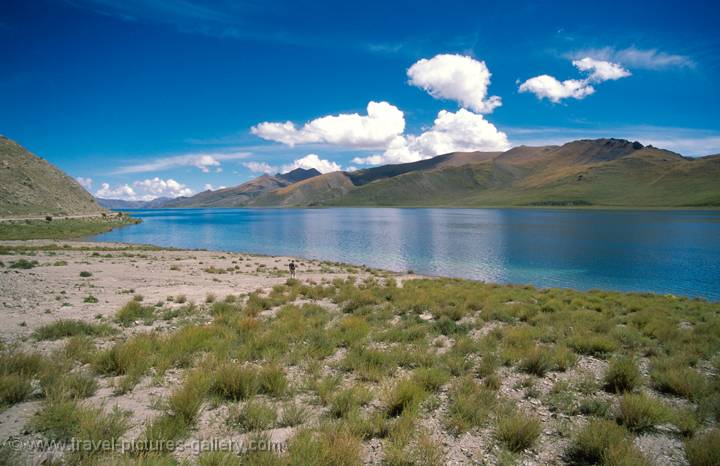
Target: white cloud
[601,70]
[636,58]
[546,86]
[209,187]
[85,182]
[549,87]
[203,161]
[312,161]
[381,124]
[462,131]
[260,167]
[119,192]
[145,190]
[455,77]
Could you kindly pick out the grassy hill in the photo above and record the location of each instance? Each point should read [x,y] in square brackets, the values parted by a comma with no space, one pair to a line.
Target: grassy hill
[30,186]
[602,172]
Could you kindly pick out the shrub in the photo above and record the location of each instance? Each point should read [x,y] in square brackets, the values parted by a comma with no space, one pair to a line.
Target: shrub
[85,274]
[70,328]
[639,412]
[704,449]
[622,375]
[253,415]
[90,299]
[518,431]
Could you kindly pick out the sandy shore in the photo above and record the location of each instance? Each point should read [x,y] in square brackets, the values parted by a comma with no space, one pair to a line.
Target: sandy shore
[35,297]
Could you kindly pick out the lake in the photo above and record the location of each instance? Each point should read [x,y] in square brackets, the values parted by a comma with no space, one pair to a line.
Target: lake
[675,252]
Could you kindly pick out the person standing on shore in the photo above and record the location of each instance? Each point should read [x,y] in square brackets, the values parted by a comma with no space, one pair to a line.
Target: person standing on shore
[291,266]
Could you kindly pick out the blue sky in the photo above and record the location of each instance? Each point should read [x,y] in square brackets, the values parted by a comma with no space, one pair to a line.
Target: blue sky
[135,94]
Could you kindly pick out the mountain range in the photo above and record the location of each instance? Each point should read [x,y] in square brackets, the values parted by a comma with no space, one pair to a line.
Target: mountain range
[599,172]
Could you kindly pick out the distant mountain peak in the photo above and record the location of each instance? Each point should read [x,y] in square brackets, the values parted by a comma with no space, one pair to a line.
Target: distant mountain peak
[298,174]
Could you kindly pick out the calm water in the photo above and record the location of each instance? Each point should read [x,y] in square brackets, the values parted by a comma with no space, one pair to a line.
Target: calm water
[674,252]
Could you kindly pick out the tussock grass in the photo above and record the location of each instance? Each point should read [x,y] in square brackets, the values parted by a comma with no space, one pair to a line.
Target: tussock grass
[325,448]
[603,442]
[639,412]
[134,311]
[253,415]
[70,328]
[622,375]
[470,405]
[518,431]
[704,449]
[674,376]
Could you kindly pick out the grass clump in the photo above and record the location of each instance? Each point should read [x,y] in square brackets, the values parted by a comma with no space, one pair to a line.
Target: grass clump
[134,311]
[622,375]
[704,449]
[348,400]
[90,299]
[592,345]
[234,382]
[253,415]
[470,405]
[674,376]
[639,412]
[14,388]
[24,264]
[538,362]
[325,448]
[406,395]
[85,274]
[518,431]
[603,442]
[70,328]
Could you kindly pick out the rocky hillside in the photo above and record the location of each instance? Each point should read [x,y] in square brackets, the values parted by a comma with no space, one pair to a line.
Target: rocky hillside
[31,187]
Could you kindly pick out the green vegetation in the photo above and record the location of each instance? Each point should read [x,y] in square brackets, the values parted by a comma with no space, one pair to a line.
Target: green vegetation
[63,228]
[24,264]
[351,362]
[70,328]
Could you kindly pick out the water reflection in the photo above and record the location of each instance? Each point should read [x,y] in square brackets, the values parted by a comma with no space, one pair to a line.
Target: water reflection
[663,251]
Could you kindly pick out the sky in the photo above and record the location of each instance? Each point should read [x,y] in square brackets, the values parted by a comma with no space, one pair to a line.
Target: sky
[139,99]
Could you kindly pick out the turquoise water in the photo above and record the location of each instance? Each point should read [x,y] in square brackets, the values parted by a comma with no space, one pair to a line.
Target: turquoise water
[675,252]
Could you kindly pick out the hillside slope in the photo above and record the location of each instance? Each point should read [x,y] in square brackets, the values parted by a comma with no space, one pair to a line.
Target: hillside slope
[30,186]
[602,172]
[244,194]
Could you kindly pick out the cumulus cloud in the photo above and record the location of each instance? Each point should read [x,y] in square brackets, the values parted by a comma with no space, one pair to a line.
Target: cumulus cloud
[85,182]
[601,70]
[312,161]
[637,58]
[546,86]
[202,161]
[455,77]
[451,132]
[598,71]
[144,190]
[381,124]
[209,187]
[260,167]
